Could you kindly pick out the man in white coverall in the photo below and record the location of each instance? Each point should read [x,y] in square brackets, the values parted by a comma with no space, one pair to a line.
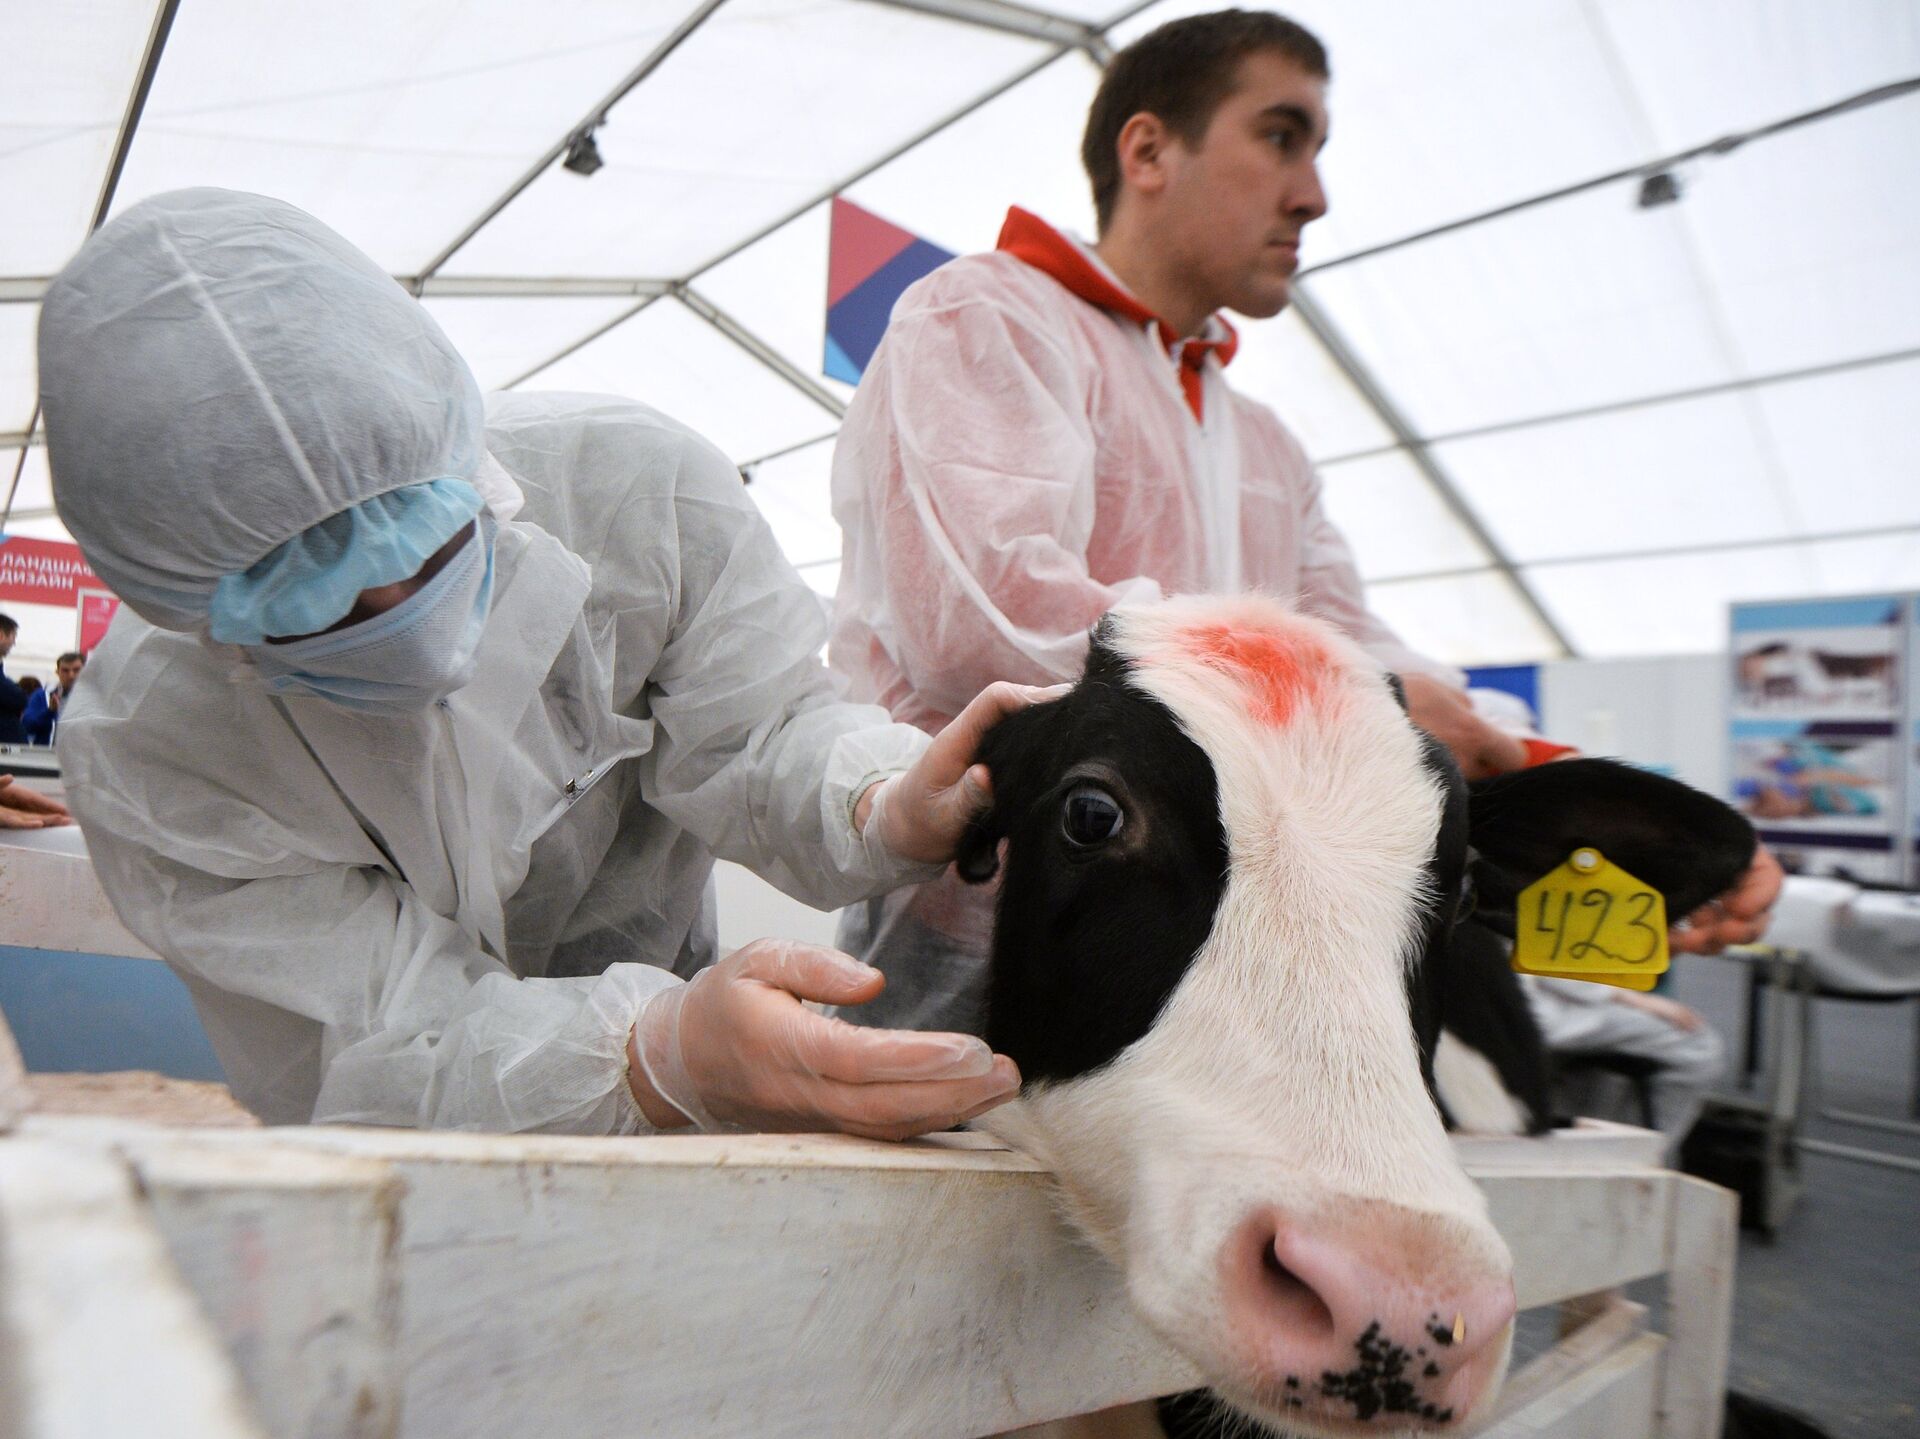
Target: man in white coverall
[1047,431]
[423,720]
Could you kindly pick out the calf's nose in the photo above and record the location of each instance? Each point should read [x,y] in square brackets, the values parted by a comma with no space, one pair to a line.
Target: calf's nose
[1368,1312]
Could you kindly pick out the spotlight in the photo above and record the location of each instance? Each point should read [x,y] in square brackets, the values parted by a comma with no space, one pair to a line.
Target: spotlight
[583,154]
[1662,187]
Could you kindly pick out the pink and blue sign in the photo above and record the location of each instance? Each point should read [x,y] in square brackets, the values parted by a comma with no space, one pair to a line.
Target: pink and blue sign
[869,262]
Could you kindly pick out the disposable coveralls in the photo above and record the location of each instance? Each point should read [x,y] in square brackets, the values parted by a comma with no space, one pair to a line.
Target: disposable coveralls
[448,918]
[1029,447]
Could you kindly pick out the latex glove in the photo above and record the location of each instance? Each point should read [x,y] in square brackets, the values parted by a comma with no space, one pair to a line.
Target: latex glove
[1740,916]
[735,1047]
[921,813]
[1447,714]
[23,808]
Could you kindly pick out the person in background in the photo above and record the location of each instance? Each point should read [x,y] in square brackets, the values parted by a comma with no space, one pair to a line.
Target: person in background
[424,716]
[1047,432]
[43,707]
[13,699]
[1687,1055]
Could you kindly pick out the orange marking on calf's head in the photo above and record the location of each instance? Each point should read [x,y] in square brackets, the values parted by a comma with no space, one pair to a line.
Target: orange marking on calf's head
[1277,669]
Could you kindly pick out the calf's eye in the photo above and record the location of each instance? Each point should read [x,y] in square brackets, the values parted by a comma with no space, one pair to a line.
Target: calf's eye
[1091,817]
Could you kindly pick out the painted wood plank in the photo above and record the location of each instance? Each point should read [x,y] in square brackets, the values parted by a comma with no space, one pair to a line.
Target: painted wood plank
[762,1284]
[1701,1254]
[1613,1398]
[1587,1144]
[101,1334]
[293,1257]
[1612,1322]
[1577,1231]
[855,1287]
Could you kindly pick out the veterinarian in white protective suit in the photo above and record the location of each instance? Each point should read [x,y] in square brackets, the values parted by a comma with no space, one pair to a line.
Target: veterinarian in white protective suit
[422,724]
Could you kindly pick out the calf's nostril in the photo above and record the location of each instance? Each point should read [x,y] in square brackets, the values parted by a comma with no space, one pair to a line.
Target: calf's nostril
[1293,1301]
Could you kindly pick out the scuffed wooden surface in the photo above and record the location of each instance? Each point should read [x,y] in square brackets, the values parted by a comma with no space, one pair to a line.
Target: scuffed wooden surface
[99,1334]
[139,1094]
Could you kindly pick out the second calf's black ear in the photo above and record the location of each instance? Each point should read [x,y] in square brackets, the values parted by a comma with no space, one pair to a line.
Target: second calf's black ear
[1686,844]
[978,857]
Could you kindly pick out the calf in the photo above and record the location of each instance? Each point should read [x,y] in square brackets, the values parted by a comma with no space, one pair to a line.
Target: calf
[1232,872]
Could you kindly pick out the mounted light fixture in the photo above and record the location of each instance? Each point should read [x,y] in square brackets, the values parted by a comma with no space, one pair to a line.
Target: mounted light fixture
[583,153]
[1662,187]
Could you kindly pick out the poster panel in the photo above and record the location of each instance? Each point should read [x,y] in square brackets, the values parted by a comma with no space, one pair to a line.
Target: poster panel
[1817,751]
[95,612]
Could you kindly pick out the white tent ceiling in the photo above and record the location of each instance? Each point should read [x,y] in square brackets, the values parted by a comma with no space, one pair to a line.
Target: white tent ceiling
[1574,424]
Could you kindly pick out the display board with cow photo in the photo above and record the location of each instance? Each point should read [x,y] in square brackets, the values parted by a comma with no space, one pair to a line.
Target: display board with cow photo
[1820,702]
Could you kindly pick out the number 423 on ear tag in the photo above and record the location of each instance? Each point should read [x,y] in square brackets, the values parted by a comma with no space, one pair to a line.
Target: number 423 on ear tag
[1590,919]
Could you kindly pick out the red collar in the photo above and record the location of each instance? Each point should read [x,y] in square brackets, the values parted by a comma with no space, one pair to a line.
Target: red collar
[1028,238]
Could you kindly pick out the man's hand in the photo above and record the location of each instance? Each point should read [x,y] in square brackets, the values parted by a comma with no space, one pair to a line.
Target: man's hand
[923,813]
[53,699]
[735,1046]
[1740,916]
[1445,713]
[23,808]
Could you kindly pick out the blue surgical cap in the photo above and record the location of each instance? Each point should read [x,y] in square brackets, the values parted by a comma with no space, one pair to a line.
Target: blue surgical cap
[310,582]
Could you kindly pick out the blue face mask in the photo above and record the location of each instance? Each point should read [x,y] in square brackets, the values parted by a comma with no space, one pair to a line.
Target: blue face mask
[420,651]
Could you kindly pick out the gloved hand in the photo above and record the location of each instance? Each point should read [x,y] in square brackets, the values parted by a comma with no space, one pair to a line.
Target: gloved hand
[735,1047]
[921,813]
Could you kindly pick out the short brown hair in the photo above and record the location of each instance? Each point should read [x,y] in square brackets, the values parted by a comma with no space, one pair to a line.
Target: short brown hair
[1181,72]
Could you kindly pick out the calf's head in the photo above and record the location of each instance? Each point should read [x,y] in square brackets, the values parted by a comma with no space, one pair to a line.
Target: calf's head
[1226,852]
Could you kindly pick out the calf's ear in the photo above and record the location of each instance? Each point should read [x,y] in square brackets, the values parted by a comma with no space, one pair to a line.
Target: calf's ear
[978,857]
[1686,844]
[1008,748]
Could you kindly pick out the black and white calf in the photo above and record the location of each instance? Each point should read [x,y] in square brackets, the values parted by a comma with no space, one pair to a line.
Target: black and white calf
[1230,862]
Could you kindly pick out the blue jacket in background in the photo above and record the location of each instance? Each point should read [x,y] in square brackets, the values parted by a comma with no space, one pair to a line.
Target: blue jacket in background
[38,719]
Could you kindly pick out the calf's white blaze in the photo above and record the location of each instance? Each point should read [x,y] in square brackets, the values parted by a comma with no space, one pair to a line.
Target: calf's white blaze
[1283,1073]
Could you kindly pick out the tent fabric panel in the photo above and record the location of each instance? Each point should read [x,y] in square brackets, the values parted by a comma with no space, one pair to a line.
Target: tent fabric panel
[778,289]
[1677,604]
[35,490]
[1712,67]
[1696,471]
[1808,241]
[396,124]
[793,493]
[671,359]
[502,339]
[1395,520]
[1283,366]
[1589,301]
[70,69]
[1030,140]
[1475,619]
[1849,445]
[769,102]
[19,371]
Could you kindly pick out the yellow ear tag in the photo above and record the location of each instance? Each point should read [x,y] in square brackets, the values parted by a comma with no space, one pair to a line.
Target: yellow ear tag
[1590,919]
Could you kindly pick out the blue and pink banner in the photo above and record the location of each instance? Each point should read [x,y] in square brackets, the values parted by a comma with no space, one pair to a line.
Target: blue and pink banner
[869,262]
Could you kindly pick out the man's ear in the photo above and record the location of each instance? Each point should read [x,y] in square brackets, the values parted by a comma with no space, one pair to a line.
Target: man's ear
[1686,844]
